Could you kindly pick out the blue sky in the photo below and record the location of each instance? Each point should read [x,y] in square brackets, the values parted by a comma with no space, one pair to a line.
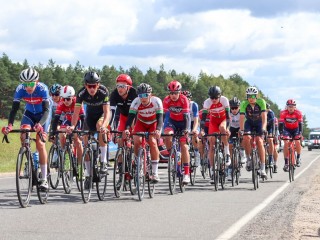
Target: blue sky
[272,44]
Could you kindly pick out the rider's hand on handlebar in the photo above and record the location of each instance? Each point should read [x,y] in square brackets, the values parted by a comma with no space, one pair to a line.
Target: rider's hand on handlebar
[157,134]
[103,130]
[125,134]
[6,130]
[38,128]
[70,129]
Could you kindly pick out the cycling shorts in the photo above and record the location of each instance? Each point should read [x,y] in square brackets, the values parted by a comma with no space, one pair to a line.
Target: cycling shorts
[143,127]
[233,133]
[91,120]
[270,129]
[67,123]
[253,126]
[122,123]
[214,125]
[291,133]
[175,126]
[31,119]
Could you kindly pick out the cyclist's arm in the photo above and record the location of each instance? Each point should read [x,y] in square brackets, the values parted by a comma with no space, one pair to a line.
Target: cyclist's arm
[159,117]
[204,117]
[75,115]
[106,115]
[228,117]
[187,119]
[13,112]
[46,111]
[241,122]
[131,117]
[55,122]
[264,120]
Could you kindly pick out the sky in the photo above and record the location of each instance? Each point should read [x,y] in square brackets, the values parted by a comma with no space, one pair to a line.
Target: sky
[272,44]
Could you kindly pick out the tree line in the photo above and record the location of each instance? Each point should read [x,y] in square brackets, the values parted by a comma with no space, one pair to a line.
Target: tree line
[52,73]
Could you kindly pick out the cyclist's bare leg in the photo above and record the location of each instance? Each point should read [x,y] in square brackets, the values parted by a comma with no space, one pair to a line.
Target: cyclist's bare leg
[79,147]
[168,140]
[155,155]
[212,141]
[41,148]
[137,143]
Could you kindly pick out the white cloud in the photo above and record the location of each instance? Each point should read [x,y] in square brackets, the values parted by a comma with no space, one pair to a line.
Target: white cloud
[167,23]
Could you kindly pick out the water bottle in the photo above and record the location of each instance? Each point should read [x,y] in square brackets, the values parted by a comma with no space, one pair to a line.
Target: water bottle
[35,160]
[197,158]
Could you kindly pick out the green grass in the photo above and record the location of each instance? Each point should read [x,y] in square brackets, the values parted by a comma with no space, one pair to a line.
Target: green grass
[9,151]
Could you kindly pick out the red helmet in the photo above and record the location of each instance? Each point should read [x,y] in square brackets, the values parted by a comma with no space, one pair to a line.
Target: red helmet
[174,86]
[291,102]
[124,78]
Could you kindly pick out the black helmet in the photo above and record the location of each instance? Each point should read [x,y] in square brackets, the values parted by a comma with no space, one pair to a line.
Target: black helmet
[91,77]
[187,94]
[214,92]
[144,88]
[234,102]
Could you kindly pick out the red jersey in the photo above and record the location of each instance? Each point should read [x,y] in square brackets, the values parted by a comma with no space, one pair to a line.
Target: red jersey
[68,110]
[176,108]
[291,121]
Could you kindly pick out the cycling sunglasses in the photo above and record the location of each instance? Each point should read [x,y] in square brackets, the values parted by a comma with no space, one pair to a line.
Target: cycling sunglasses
[174,93]
[121,85]
[234,108]
[56,94]
[67,99]
[253,96]
[91,86]
[143,95]
[29,84]
[215,97]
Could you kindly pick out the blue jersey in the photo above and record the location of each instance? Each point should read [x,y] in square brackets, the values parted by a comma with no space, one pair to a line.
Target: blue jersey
[194,110]
[34,100]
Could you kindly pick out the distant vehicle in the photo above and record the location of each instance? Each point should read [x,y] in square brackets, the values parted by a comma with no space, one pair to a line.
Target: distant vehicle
[314,140]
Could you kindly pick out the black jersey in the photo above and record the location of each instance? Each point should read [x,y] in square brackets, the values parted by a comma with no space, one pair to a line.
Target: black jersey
[122,105]
[94,103]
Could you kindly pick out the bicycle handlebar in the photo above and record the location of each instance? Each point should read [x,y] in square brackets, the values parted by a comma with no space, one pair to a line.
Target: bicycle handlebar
[5,137]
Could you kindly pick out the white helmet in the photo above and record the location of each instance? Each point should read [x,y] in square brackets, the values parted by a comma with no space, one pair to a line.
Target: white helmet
[29,75]
[252,90]
[67,91]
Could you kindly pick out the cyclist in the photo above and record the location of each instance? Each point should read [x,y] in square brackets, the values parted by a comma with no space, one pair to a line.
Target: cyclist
[253,117]
[194,114]
[176,105]
[290,126]
[203,132]
[54,92]
[96,96]
[217,106]
[271,133]
[66,107]
[36,96]
[276,145]
[234,128]
[149,112]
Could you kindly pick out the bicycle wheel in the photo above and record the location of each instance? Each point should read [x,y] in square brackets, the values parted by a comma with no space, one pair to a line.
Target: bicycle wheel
[222,169]
[42,194]
[101,182]
[24,177]
[215,168]
[204,165]
[193,168]
[67,171]
[140,176]
[234,165]
[172,172]
[238,167]
[291,165]
[254,159]
[118,172]
[130,171]
[86,181]
[54,161]
[151,185]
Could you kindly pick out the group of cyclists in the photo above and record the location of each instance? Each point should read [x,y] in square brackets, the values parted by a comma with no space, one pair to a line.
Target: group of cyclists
[129,110]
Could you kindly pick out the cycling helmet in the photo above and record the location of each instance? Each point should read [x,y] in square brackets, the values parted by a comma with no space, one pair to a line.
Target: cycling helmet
[124,78]
[29,75]
[67,92]
[214,92]
[268,105]
[144,88]
[234,102]
[91,77]
[252,91]
[187,94]
[174,86]
[55,89]
[291,102]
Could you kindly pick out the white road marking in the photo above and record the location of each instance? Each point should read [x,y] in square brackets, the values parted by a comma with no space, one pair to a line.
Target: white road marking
[231,231]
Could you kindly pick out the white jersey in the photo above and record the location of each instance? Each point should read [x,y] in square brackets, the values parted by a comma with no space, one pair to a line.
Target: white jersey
[216,110]
[147,114]
[234,120]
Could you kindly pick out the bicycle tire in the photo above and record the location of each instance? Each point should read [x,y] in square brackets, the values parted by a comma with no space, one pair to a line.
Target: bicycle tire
[254,174]
[172,172]
[204,165]
[118,174]
[54,170]
[193,168]
[215,170]
[67,170]
[140,176]
[222,170]
[291,166]
[130,171]
[101,183]
[42,194]
[234,164]
[238,167]
[24,177]
[86,181]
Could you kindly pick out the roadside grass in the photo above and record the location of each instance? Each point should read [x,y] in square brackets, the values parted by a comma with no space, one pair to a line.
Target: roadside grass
[9,151]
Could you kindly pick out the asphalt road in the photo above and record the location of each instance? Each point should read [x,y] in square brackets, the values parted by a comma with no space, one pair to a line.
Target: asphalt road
[199,213]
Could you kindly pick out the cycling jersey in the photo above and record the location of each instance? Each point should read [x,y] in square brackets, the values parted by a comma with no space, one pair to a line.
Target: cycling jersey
[94,103]
[177,108]
[194,110]
[270,122]
[207,119]
[33,100]
[116,101]
[68,110]
[291,120]
[216,111]
[234,120]
[147,114]
[253,113]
